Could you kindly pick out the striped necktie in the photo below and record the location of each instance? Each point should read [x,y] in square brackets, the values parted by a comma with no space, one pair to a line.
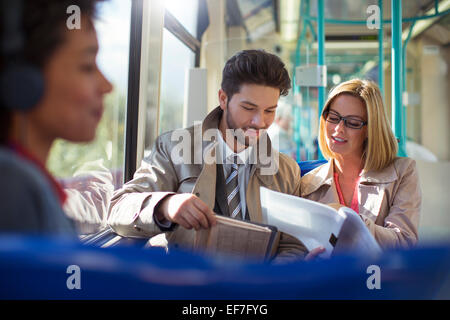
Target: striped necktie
[232,187]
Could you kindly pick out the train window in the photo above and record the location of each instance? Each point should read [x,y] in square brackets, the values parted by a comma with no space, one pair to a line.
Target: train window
[185,12]
[176,59]
[101,162]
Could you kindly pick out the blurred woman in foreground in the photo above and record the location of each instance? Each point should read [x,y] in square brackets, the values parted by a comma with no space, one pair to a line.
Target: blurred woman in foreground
[62,61]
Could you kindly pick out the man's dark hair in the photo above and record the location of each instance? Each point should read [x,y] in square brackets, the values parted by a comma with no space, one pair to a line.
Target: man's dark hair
[254,67]
[43,25]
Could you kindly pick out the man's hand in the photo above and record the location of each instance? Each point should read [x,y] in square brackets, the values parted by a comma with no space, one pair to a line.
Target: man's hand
[314,253]
[187,210]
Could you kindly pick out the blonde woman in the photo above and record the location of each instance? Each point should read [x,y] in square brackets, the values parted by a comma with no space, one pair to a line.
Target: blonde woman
[363,171]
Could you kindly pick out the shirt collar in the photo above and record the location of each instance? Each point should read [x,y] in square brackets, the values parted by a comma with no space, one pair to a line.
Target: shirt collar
[226,154]
[25,154]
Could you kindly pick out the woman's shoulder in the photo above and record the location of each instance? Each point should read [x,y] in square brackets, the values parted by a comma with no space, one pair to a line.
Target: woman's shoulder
[23,182]
[392,172]
[398,168]
[315,178]
[404,164]
[29,203]
[16,170]
[321,172]
[404,161]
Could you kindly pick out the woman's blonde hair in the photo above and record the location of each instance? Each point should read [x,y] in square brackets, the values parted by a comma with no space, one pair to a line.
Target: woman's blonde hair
[380,148]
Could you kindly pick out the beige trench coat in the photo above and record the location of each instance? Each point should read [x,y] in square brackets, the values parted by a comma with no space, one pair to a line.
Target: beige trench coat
[161,174]
[389,200]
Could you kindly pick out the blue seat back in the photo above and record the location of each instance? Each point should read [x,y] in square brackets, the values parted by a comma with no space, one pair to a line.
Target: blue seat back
[308,165]
[36,268]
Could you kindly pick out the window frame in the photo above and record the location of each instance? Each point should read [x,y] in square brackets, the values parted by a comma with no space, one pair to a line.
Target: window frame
[134,73]
[138,80]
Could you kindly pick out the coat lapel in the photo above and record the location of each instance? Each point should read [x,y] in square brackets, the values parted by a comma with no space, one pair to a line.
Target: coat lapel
[221,191]
[202,188]
[253,196]
[206,153]
[260,175]
[370,199]
[318,177]
[372,190]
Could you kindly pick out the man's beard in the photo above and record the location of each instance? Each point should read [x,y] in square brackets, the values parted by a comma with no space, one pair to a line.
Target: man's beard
[239,133]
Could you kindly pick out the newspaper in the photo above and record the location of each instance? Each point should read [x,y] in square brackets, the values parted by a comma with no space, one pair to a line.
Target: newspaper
[237,238]
[316,224]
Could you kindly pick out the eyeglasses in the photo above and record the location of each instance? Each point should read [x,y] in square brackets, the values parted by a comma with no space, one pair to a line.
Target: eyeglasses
[349,122]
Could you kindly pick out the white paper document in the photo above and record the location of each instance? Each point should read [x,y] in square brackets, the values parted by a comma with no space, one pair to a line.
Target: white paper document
[316,224]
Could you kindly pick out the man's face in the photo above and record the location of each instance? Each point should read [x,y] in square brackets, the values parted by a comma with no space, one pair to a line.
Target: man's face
[249,112]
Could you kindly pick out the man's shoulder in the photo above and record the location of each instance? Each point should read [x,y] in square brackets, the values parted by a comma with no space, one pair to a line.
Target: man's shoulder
[173,137]
[287,165]
[286,178]
[176,132]
[178,148]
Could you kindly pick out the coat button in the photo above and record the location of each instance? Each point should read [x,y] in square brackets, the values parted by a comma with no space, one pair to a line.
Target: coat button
[137,228]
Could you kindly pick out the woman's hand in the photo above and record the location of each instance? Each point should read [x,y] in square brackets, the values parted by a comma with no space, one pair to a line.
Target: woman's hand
[314,253]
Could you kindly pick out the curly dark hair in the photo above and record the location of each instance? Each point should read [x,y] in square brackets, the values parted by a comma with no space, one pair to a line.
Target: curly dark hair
[254,67]
[43,25]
